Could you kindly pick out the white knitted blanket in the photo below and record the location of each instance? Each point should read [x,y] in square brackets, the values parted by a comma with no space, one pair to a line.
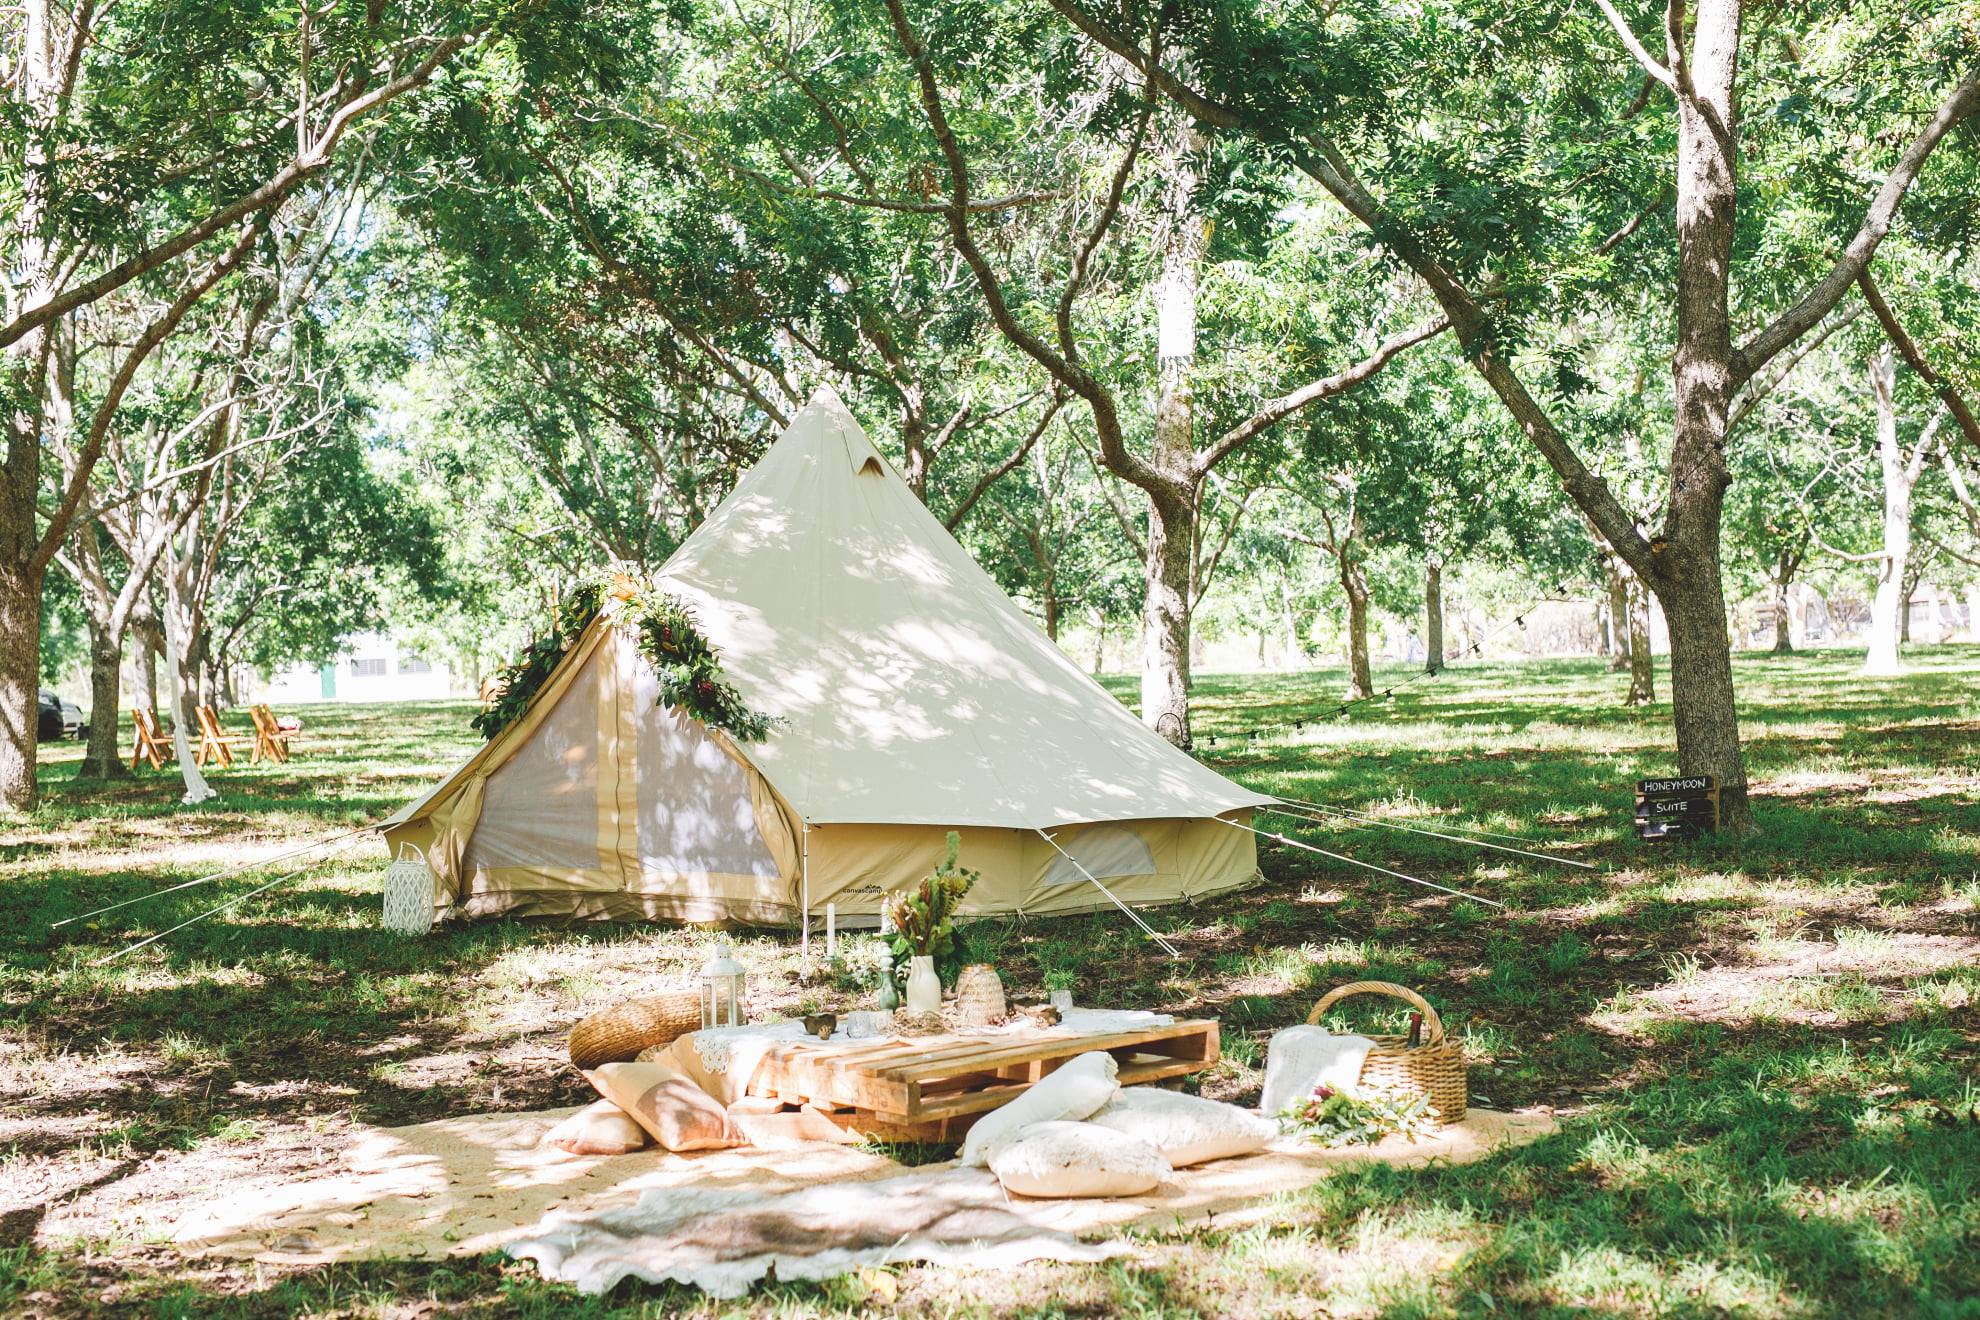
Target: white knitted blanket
[1300,1059]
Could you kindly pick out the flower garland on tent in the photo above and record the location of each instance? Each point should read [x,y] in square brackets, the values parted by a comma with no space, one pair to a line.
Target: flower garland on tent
[688,665]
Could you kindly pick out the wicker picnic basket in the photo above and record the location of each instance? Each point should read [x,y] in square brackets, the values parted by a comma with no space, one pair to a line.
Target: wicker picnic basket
[1435,1068]
[619,1033]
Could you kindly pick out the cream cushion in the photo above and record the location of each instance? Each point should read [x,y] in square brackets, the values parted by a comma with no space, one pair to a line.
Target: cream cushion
[673,1110]
[1065,1160]
[600,1128]
[1187,1129]
[1075,1090]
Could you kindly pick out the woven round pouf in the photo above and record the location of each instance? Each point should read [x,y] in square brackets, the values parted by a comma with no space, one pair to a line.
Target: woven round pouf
[1434,1069]
[979,996]
[619,1033]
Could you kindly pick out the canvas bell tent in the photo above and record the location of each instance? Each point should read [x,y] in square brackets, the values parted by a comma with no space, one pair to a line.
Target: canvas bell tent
[909,696]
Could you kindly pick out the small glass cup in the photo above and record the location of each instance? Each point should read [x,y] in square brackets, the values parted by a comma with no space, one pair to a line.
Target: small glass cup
[1062,1000]
[867,1023]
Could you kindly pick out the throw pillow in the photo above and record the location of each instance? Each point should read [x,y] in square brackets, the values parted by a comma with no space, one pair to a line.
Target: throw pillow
[674,1111]
[1077,1089]
[1187,1129]
[1062,1160]
[600,1128]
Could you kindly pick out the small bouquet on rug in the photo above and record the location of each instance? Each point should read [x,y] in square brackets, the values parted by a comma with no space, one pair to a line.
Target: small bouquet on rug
[1335,1118]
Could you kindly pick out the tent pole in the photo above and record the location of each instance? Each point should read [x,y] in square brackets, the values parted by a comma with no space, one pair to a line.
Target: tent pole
[804,895]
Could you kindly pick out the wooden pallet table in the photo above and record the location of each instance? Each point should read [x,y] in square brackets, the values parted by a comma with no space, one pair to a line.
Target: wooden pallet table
[931,1088]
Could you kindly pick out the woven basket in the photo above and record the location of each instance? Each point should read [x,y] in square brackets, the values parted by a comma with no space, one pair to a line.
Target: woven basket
[619,1033]
[1434,1069]
[979,996]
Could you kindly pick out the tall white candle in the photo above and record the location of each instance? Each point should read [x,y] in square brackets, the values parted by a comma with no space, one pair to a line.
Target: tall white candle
[831,930]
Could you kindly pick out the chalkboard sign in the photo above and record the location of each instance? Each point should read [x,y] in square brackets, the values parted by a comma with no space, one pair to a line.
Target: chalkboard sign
[1677,808]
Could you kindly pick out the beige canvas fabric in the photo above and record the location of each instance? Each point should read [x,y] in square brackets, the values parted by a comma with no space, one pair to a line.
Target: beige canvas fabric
[910,695]
[917,692]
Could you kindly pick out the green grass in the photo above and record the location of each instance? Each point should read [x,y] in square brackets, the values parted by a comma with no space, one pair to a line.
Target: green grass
[1762,1051]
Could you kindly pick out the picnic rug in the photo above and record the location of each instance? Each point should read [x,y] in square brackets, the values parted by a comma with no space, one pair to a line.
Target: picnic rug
[465,1186]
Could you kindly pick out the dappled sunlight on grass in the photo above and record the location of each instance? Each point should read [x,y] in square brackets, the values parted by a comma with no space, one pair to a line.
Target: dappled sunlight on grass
[1761,1050]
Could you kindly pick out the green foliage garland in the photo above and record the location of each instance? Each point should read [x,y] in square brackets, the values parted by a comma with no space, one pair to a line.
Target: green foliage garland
[688,666]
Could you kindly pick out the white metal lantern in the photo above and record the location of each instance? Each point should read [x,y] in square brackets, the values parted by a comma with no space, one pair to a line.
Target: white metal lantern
[721,990]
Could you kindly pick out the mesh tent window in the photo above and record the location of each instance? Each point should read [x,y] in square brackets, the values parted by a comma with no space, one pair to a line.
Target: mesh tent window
[1106,851]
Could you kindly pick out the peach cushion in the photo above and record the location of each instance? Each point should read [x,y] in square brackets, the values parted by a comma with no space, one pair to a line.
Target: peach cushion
[673,1110]
[601,1128]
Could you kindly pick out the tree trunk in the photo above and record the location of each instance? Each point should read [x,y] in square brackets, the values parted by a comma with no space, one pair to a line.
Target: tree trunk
[1354,585]
[1361,682]
[1888,606]
[1165,617]
[1433,615]
[1099,642]
[1172,503]
[1620,615]
[150,641]
[20,683]
[1687,572]
[1289,621]
[106,658]
[1642,665]
[1783,583]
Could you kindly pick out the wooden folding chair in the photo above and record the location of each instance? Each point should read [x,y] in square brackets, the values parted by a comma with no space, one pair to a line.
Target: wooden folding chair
[212,740]
[269,736]
[149,744]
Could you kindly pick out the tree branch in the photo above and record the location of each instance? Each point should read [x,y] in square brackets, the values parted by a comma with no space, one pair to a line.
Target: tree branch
[1637,50]
[1907,348]
[1099,400]
[1003,468]
[1815,304]
[262,199]
[1313,391]
[113,395]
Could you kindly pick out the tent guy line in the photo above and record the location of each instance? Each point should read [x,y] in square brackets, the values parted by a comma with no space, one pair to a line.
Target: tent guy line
[1460,830]
[215,910]
[1356,861]
[1335,815]
[372,828]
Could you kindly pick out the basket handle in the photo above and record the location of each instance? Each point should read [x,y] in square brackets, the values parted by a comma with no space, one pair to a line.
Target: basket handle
[1433,1026]
[414,849]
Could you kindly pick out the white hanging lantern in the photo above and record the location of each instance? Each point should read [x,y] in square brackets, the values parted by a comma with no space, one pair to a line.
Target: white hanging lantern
[409,893]
[721,990]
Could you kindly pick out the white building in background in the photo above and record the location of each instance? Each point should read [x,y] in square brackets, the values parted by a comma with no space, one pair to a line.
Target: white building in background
[372,667]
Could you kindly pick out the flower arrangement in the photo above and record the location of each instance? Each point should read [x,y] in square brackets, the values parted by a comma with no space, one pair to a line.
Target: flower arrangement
[923,919]
[1335,1118]
[687,664]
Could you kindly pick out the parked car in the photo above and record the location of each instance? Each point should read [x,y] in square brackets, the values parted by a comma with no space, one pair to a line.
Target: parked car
[60,719]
